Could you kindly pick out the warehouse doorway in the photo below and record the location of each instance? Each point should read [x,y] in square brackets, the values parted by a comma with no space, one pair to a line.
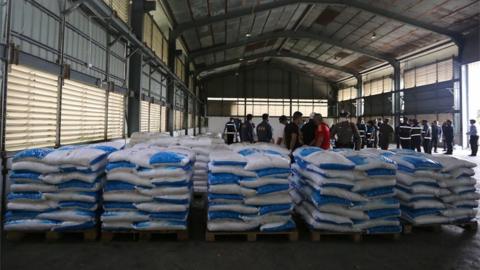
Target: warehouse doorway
[471,96]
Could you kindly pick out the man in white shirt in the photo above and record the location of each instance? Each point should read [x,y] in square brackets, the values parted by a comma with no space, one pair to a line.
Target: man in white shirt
[472,132]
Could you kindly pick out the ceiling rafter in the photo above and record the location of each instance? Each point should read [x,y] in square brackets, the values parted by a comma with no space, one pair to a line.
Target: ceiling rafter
[291,34]
[285,66]
[274,53]
[180,28]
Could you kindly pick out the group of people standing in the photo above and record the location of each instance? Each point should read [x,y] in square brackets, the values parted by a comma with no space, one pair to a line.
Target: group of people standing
[409,134]
[297,132]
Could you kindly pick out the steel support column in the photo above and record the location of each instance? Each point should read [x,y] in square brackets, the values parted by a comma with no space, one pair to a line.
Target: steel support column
[186,108]
[172,49]
[61,77]
[396,94]
[290,94]
[457,100]
[195,106]
[135,69]
[5,62]
[358,101]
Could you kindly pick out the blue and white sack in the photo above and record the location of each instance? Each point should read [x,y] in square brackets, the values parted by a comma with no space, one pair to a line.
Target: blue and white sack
[148,188]
[57,189]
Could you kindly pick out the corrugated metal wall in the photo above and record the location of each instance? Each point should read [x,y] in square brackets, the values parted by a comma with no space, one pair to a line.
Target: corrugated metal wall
[35,29]
[267,81]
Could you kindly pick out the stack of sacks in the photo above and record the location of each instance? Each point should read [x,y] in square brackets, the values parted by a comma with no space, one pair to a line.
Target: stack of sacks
[418,188]
[345,192]
[57,189]
[148,188]
[375,179]
[458,188]
[249,190]
[202,146]
[148,137]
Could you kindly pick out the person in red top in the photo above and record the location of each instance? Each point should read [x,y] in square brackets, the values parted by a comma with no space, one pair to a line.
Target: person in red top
[322,133]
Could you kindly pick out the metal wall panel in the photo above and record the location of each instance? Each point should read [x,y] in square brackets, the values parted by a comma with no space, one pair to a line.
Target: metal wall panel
[85,44]
[430,99]
[35,27]
[267,81]
[378,105]
[118,63]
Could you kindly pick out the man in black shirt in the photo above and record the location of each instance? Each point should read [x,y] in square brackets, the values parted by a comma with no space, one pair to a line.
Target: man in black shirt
[246,130]
[385,133]
[436,135]
[448,133]
[308,131]
[292,138]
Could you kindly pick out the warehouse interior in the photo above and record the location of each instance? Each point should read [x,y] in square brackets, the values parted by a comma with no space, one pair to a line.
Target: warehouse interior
[88,71]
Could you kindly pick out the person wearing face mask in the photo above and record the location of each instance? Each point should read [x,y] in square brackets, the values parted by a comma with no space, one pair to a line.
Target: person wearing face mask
[293,138]
[283,121]
[308,130]
[371,134]
[322,133]
[345,133]
[362,130]
[246,130]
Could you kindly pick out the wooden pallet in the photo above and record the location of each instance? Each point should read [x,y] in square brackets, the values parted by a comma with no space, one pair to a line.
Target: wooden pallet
[88,235]
[316,235]
[250,236]
[470,226]
[107,236]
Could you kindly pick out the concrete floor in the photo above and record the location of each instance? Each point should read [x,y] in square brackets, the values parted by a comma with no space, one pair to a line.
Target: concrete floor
[449,249]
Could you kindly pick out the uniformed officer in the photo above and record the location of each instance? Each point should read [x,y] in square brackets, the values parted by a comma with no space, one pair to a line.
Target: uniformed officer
[230,131]
[404,134]
[426,137]
[416,135]
[362,130]
[371,134]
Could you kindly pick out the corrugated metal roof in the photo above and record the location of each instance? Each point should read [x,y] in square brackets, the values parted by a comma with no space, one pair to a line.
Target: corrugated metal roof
[347,24]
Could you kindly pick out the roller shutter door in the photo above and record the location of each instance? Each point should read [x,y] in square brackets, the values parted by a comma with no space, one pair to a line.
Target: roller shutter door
[116,116]
[83,113]
[31,113]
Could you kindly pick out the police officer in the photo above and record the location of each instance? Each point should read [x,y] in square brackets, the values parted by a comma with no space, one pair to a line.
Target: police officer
[385,132]
[345,133]
[436,135]
[264,130]
[404,134]
[362,130]
[472,132]
[371,134]
[246,129]
[416,135]
[449,136]
[426,137]
[230,131]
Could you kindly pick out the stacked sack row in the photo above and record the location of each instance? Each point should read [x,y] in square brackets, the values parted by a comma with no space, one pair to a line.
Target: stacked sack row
[345,191]
[202,146]
[434,189]
[460,194]
[248,189]
[148,188]
[57,189]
